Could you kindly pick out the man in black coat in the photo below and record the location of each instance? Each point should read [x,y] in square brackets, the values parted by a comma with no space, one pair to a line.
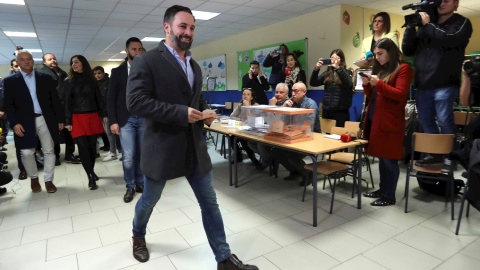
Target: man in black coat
[255,80]
[50,67]
[165,87]
[127,125]
[33,109]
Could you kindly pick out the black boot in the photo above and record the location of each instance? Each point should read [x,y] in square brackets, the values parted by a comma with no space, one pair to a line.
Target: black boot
[91,182]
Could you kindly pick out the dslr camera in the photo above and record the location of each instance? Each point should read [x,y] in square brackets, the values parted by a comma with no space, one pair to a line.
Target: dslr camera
[472,68]
[427,6]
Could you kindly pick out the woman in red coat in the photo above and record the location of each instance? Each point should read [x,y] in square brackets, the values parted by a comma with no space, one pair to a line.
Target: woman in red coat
[387,89]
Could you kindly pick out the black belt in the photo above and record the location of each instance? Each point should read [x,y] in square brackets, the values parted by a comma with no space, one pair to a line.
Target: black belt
[37,114]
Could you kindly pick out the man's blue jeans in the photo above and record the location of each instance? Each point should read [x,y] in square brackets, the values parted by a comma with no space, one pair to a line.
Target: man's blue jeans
[389,172]
[437,102]
[131,139]
[206,197]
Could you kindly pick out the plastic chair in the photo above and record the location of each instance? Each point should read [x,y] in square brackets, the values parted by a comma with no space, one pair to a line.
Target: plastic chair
[441,144]
[328,169]
[349,158]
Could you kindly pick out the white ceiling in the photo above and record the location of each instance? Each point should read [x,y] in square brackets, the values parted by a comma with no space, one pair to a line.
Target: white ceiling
[98,29]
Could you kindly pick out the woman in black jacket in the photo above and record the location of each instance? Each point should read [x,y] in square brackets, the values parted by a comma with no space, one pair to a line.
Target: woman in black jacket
[338,83]
[83,106]
[292,73]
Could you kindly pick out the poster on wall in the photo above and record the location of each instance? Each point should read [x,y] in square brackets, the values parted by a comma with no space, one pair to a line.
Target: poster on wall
[214,67]
[299,47]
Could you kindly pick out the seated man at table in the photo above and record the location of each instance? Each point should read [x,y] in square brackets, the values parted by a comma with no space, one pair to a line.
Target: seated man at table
[265,151]
[293,162]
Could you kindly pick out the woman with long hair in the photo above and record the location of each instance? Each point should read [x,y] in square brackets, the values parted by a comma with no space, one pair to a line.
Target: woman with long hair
[292,73]
[338,93]
[83,106]
[380,29]
[276,59]
[387,89]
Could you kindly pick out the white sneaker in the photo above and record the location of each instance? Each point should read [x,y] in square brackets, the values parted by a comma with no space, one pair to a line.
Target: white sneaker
[109,158]
[107,154]
[119,156]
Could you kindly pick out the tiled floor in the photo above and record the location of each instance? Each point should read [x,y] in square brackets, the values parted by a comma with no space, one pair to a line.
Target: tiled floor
[265,221]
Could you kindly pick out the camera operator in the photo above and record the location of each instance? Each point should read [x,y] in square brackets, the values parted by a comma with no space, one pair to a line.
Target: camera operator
[439,48]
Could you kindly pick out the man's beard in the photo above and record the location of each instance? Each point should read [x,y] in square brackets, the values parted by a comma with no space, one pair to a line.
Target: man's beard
[176,40]
[130,57]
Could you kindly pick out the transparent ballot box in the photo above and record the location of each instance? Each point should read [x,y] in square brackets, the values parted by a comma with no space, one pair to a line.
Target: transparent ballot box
[255,119]
[289,125]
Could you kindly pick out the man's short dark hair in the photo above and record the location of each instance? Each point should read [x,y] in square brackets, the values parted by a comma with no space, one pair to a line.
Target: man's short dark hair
[173,10]
[11,62]
[98,68]
[255,62]
[130,40]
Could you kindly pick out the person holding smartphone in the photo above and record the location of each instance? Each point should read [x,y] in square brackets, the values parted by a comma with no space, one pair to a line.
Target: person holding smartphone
[293,73]
[338,93]
[276,59]
[384,127]
[256,81]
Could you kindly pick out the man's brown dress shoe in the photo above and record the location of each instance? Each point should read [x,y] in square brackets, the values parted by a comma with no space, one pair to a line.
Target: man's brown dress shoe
[35,185]
[22,175]
[50,187]
[140,251]
[233,263]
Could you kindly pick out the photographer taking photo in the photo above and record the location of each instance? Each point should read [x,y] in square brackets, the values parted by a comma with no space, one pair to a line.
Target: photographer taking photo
[439,48]
[470,89]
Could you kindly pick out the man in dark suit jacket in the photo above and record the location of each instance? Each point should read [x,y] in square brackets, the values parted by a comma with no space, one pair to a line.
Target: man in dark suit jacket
[255,80]
[33,109]
[164,87]
[128,126]
[50,67]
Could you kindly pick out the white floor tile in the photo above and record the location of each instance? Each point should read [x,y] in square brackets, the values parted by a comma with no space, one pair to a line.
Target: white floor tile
[332,242]
[167,203]
[23,256]
[459,261]
[11,238]
[286,231]
[325,221]
[262,263]
[48,202]
[107,203]
[9,209]
[370,230]
[107,257]
[195,258]
[275,210]
[25,219]
[301,256]
[243,220]
[393,255]
[167,220]
[117,232]
[127,211]
[69,244]
[93,220]
[68,210]
[83,196]
[396,217]
[246,248]
[428,241]
[472,249]
[194,233]
[359,262]
[47,230]
[237,202]
[64,263]
[164,243]
[163,263]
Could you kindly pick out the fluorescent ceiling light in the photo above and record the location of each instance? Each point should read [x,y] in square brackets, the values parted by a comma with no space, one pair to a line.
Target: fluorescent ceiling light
[123,52]
[34,50]
[152,39]
[13,2]
[204,15]
[115,60]
[37,59]
[20,34]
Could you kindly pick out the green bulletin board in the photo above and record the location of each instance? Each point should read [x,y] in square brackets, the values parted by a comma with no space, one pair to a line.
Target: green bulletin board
[245,57]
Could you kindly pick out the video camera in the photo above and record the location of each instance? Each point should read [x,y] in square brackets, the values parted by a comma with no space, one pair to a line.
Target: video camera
[472,68]
[427,6]
[17,48]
